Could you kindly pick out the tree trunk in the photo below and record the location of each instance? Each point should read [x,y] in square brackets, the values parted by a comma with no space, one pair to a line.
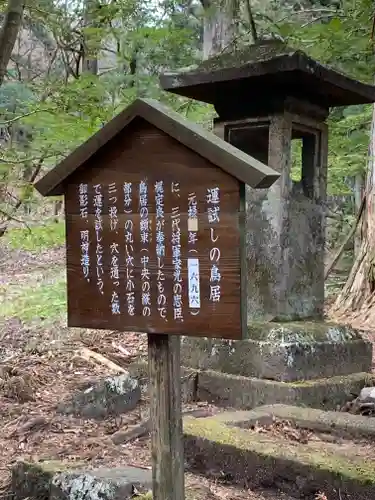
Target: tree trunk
[90,58]
[220,25]
[357,298]
[9,32]
[359,184]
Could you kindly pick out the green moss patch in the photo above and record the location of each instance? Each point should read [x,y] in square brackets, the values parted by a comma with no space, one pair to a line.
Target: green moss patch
[274,449]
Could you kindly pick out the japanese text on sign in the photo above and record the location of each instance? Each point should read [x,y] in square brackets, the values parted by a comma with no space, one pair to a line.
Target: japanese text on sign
[98,205]
[84,234]
[129,249]
[126,262]
[160,248]
[114,248]
[193,264]
[176,254]
[213,214]
[145,258]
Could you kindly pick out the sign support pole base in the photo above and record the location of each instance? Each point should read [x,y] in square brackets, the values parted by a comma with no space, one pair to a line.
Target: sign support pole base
[165,415]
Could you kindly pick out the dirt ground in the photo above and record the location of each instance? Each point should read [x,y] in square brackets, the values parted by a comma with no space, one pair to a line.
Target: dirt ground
[41,363]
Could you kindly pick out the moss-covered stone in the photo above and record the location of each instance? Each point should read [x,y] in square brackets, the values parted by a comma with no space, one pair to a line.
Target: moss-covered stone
[334,422]
[246,393]
[257,459]
[304,332]
[73,481]
[237,58]
[32,479]
[283,351]
[211,429]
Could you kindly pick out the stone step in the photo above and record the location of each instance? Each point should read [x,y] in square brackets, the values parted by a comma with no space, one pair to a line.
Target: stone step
[337,423]
[262,459]
[246,393]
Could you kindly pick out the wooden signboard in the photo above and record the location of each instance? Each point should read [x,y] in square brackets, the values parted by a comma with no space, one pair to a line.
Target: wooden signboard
[155,230]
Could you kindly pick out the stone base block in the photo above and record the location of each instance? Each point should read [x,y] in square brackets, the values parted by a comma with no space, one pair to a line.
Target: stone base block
[61,481]
[284,352]
[214,445]
[337,423]
[247,393]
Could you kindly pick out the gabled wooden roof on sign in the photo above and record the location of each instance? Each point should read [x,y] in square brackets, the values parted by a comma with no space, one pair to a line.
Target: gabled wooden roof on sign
[267,68]
[230,159]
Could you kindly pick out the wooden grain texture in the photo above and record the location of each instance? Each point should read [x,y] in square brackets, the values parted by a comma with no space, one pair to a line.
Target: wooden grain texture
[144,153]
[165,417]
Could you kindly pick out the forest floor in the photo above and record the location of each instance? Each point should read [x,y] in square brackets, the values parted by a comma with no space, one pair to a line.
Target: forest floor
[41,363]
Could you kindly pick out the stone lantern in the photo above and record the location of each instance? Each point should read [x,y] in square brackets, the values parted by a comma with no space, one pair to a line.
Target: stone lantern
[267,97]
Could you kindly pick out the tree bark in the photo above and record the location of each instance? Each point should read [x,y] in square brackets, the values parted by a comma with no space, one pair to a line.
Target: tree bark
[359,185]
[357,298]
[220,25]
[89,60]
[9,32]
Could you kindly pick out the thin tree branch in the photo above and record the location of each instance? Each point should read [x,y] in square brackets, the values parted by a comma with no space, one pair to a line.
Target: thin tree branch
[252,24]
[9,217]
[17,118]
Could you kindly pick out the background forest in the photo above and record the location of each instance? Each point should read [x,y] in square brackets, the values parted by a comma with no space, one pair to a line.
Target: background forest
[74,64]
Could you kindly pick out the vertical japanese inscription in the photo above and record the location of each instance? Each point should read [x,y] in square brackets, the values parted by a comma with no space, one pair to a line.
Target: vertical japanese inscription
[129,249]
[84,233]
[213,214]
[98,205]
[160,248]
[193,263]
[144,226]
[176,253]
[114,248]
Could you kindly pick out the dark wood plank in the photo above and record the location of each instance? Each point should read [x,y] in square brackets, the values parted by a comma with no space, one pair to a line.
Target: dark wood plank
[145,154]
[165,417]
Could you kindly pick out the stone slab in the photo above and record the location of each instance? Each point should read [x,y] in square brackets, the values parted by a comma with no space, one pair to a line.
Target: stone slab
[62,481]
[337,423]
[118,483]
[284,352]
[259,460]
[246,393]
[111,396]
[189,378]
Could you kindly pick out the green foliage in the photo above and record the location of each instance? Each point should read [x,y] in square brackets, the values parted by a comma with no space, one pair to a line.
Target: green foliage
[348,147]
[45,301]
[37,238]
[341,39]
[65,106]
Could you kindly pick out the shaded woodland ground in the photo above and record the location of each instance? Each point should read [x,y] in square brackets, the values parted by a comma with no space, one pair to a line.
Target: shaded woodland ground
[42,362]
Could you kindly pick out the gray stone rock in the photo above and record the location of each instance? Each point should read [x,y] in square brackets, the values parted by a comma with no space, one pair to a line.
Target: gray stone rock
[109,397]
[367,395]
[101,484]
[52,480]
[284,352]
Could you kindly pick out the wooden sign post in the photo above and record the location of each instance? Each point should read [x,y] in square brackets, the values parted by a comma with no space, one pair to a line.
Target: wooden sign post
[155,230]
